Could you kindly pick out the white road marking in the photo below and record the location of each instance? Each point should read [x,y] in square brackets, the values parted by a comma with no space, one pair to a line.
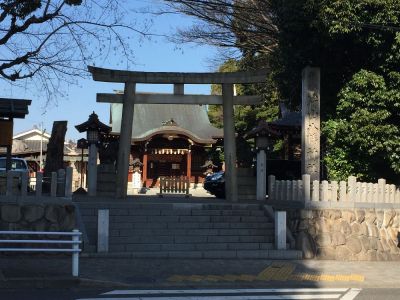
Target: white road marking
[244,297]
[224,291]
[350,295]
[231,294]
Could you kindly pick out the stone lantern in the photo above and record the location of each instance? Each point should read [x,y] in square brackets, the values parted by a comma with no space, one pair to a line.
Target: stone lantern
[136,180]
[209,167]
[93,128]
[262,135]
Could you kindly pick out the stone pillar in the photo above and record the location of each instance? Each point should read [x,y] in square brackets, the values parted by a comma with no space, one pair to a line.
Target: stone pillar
[92,170]
[102,230]
[144,175]
[125,139]
[261,175]
[189,165]
[310,130]
[280,230]
[229,143]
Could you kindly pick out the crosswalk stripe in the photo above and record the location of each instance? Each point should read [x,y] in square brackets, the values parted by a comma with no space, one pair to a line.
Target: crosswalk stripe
[350,295]
[226,291]
[244,297]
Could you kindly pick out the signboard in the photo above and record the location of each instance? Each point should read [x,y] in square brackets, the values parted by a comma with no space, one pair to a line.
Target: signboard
[6,132]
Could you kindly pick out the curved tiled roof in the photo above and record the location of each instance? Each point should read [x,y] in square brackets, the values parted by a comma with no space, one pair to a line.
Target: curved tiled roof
[151,119]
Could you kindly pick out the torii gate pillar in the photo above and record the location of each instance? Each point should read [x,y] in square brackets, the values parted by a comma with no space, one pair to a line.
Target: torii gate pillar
[124,149]
[229,143]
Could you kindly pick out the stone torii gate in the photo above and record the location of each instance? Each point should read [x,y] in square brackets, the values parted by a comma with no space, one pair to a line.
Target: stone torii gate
[130,98]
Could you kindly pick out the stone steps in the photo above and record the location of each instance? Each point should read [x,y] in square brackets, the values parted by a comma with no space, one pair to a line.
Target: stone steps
[184,230]
[190,247]
[215,254]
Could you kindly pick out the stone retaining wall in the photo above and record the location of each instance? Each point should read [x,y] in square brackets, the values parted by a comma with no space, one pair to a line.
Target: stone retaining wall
[351,234]
[37,216]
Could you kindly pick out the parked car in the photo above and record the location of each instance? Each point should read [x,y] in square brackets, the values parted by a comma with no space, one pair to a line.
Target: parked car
[215,184]
[17,164]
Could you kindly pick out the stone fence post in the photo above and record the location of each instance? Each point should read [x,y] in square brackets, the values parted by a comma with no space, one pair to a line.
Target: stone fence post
[351,194]
[306,188]
[381,190]
[39,184]
[342,191]
[334,191]
[315,191]
[271,187]
[68,182]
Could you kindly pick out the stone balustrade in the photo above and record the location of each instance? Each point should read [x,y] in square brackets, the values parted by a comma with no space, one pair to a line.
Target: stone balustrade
[333,194]
[18,184]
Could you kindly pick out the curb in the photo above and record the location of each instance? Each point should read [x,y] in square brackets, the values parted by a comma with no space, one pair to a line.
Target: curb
[42,282]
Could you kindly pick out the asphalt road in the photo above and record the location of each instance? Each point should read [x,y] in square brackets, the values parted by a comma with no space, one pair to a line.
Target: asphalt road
[202,294]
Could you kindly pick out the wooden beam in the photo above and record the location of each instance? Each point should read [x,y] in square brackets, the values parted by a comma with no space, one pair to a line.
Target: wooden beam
[177,99]
[109,75]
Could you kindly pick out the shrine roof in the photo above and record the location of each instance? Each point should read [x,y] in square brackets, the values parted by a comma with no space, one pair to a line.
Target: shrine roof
[290,119]
[152,119]
[289,123]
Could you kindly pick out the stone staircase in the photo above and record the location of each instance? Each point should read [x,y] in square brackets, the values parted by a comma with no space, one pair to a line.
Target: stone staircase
[183,230]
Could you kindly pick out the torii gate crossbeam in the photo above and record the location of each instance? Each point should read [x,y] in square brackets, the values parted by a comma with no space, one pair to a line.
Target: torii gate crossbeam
[129,98]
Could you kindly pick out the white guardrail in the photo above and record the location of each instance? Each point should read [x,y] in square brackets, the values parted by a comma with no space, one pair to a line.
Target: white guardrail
[74,242]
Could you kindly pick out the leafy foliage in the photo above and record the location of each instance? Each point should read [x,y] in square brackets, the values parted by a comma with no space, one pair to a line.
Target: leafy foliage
[364,139]
[357,46]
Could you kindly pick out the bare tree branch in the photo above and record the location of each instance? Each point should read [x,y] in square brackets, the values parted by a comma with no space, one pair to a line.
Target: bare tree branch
[52,41]
[244,24]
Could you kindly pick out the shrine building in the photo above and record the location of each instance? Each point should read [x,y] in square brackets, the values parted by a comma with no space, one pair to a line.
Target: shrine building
[169,139]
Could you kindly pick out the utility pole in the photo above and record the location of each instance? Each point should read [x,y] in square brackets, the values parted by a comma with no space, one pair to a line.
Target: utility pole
[41,147]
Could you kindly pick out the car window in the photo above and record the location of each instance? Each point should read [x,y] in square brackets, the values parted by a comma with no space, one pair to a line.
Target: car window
[15,164]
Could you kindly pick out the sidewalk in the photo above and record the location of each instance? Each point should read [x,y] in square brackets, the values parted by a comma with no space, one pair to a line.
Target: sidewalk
[55,272]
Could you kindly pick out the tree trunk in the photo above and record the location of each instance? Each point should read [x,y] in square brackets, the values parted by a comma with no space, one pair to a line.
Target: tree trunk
[55,151]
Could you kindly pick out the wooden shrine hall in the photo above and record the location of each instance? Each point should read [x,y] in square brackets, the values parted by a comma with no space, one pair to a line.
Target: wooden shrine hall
[169,139]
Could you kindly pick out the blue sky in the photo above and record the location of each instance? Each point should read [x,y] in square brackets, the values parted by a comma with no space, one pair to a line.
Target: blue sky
[154,55]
